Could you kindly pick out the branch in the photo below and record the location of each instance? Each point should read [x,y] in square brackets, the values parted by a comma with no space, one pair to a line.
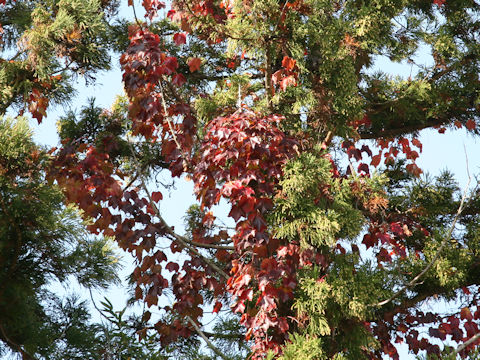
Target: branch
[467,343]
[170,125]
[205,338]
[268,77]
[25,354]
[444,243]
[210,246]
[389,133]
[183,241]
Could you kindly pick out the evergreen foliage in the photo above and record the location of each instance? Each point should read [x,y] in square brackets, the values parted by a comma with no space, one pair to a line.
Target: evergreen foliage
[43,242]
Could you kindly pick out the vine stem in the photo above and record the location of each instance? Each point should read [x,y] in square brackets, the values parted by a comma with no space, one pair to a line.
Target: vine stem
[170,126]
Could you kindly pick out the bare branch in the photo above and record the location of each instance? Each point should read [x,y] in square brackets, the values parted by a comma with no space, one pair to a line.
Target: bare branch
[467,343]
[211,246]
[206,339]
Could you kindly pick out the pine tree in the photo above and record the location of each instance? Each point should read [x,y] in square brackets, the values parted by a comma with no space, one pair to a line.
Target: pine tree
[46,44]
[273,107]
[43,241]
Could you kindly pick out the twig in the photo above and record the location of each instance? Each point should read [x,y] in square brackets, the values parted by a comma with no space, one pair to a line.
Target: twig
[206,339]
[135,14]
[444,243]
[268,77]
[25,354]
[96,307]
[467,343]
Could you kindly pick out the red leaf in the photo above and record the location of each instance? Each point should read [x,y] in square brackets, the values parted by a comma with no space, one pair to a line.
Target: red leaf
[471,125]
[173,267]
[366,149]
[217,307]
[376,160]
[417,143]
[178,80]
[180,38]
[194,64]
[157,196]
[465,314]
[288,63]
[363,167]
[413,169]
[396,228]
[170,64]
[286,82]
[369,240]
[439,2]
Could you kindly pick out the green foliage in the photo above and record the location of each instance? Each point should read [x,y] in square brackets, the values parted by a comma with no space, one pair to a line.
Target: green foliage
[304,348]
[314,206]
[47,43]
[42,241]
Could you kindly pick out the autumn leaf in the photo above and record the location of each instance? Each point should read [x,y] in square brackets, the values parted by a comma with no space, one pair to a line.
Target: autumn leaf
[288,63]
[376,160]
[173,267]
[180,38]
[465,314]
[417,143]
[286,82]
[178,80]
[194,64]
[157,196]
[217,307]
[471,125]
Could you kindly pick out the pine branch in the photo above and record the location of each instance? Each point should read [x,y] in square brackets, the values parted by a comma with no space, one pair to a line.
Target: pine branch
[390,133]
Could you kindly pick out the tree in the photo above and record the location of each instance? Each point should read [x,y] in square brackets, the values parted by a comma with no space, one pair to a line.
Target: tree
[43,241]
[338,240]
